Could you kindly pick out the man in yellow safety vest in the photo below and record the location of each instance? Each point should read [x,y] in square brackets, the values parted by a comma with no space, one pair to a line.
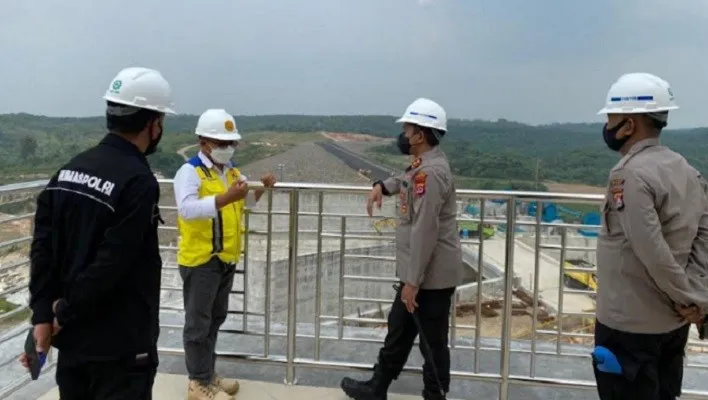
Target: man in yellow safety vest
[211,195]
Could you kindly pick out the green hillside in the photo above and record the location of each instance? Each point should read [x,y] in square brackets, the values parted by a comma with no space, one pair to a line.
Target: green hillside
[499,151]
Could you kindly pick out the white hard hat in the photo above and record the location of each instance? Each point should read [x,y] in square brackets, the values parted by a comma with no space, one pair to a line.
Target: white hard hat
[425,112]
[141,88]
[217,124]
[639,93]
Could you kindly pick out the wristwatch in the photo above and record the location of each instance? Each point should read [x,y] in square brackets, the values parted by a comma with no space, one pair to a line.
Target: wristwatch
[384,191]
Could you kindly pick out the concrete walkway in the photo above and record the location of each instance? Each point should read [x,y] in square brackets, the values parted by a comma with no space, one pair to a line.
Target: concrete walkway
[171,387]
[549,274]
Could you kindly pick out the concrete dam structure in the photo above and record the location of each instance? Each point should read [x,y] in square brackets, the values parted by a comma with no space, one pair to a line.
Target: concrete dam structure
[324,254]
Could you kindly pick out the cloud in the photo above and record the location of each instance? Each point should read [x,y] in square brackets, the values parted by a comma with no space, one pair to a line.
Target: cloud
[536,62]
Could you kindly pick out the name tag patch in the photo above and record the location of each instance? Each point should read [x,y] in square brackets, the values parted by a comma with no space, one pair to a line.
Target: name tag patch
[403,201]
[98,184]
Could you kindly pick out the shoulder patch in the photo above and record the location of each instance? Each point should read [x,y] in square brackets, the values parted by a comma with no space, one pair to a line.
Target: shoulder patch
[416,163]
[419,182]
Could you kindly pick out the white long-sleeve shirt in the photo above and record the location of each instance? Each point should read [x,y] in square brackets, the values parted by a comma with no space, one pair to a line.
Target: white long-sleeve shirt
[186,187]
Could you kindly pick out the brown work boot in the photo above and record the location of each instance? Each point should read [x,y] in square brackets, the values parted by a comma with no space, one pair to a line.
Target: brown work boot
[230,386]
[200,391]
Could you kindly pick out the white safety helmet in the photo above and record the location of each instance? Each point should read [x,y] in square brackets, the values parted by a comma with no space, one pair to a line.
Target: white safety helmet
[217,124]
[639,93]
[425,112]
[141,88]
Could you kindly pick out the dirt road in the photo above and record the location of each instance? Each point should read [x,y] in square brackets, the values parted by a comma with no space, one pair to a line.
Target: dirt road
[183,151]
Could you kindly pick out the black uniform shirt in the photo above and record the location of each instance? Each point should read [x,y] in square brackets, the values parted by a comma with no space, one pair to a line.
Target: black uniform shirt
[95,246]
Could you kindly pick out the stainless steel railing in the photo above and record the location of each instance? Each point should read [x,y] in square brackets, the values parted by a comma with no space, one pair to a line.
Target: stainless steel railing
[294,215]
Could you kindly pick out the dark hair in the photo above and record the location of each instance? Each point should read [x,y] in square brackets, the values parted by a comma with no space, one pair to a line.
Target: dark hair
[658,125]
[654,122]
[431,135]
[129,123]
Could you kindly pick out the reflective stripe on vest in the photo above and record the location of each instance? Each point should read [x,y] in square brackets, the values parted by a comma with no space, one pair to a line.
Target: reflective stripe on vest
[201,239]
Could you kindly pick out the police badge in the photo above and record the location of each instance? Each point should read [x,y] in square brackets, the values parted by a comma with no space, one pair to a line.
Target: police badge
[617,190]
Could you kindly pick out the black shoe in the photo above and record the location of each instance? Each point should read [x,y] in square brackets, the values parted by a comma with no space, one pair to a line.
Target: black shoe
[373,389]
[433,395]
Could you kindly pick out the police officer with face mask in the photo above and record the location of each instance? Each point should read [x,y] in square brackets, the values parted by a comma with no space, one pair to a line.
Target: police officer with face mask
[428,257]
[95,262]
[655,218]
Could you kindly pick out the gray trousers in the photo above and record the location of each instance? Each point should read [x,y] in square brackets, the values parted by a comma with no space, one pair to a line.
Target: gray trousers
[206,304]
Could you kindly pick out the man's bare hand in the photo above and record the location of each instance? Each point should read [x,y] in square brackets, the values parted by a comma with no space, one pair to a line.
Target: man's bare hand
[43,336]
[238,190]
[268,180]
[375,197]
[24,361]
[409,295]
[691,314]
[55,326]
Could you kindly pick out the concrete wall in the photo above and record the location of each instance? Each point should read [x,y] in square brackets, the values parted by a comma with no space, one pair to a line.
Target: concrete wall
[357,223]
[571,241]
[329,280]
[306,288]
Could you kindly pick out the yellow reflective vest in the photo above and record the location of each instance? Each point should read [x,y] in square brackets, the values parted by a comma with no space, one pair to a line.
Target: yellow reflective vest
[202,239]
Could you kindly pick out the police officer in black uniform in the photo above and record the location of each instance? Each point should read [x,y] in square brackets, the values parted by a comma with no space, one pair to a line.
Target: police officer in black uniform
[95,261]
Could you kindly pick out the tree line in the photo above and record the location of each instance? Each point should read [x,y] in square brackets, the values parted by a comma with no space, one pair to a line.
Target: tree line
[486,150]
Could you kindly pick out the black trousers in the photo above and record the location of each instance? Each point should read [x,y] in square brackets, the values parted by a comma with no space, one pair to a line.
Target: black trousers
[652,364]
[434,313]
[127,379]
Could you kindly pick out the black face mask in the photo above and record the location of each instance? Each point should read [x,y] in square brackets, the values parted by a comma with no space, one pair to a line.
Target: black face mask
[152,147]
[404,144]
[610,136]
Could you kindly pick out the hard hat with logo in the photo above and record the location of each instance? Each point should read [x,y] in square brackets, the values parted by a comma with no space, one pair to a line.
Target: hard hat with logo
[639,93]
[217,124]
[425,112]
[141,88]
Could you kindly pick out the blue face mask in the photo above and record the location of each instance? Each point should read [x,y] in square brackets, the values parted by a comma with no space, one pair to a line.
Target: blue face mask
[610,136]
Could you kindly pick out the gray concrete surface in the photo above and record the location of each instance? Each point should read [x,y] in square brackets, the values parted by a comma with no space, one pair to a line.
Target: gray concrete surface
[307,162]
[552,366]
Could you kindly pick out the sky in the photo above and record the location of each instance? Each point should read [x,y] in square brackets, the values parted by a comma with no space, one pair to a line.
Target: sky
[534,61]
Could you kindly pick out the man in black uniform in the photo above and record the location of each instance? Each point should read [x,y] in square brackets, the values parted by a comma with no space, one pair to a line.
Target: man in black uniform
[95,261]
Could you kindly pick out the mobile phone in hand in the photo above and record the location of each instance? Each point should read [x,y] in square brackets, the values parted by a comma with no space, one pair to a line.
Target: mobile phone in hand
[34,359]
[702,329]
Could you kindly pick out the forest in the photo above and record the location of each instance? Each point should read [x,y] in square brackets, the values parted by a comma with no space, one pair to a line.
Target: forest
[33,145]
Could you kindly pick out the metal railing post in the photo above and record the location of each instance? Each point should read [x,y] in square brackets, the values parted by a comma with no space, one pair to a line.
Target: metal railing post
[269,259]
[292,288]
[508,298]
[318,274]
[480,276]
[342,250]
[536,282]
[561,289]
[245,271]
